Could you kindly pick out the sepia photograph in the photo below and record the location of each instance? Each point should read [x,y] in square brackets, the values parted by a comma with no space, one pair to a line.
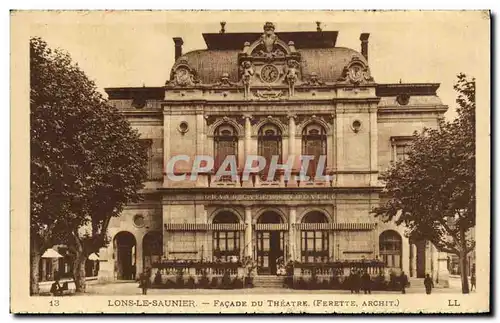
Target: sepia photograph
[250,162]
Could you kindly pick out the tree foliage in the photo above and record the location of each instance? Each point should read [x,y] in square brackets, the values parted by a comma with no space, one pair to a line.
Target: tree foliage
[433,192]
[86,160]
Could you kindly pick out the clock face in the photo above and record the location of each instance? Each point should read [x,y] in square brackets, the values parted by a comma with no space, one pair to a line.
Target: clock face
[269,73]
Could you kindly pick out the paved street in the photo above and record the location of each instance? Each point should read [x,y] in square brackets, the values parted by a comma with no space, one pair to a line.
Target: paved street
[131,288]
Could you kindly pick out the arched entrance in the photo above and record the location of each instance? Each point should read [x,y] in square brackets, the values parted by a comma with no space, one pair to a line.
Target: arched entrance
[270,243]
[390,246]
[124,249]
[152,249]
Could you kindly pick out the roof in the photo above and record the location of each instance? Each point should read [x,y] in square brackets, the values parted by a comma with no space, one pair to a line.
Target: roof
[302,39]
[327,63]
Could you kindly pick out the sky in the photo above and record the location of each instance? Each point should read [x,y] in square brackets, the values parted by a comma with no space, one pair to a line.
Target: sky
[120,49]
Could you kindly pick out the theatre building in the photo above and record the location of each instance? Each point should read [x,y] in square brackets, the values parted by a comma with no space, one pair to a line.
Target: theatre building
[271,93]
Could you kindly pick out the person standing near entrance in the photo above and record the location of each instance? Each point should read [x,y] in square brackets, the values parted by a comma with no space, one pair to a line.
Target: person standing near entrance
[473,281]
[145,282]
[429,284]
[366,283]
[404,282]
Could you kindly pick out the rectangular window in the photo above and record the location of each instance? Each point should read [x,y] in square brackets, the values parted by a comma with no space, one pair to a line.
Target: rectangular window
[148,146]
[401,152]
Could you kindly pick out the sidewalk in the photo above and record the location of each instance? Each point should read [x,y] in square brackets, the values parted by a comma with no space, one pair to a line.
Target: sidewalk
[131,288]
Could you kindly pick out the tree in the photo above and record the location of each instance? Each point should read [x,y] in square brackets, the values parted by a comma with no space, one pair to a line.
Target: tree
[433,192]
[87,162]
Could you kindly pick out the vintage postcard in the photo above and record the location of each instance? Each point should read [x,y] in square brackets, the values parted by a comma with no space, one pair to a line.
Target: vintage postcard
[250,162]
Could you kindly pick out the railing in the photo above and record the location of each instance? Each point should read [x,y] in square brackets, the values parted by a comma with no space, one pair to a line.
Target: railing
[339,268]
[196,268]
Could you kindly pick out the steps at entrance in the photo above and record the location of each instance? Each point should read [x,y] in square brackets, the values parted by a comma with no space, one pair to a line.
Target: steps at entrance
[416,283]
[268,281]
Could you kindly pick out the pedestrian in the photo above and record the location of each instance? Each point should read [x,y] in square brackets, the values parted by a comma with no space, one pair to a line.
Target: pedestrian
[404,282]
[357,282]
[473,281]
[366,283]
[351,282]
[56,288]
[145,282]
[429,284]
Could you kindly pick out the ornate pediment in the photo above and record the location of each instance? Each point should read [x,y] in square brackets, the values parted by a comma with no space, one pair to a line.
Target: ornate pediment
[182,75]
[356,72]
[269,61]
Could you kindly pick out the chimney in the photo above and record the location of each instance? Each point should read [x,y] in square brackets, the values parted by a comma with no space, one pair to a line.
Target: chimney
[364,44]
[178,47]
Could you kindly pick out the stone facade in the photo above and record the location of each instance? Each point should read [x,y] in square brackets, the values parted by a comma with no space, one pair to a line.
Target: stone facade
[292,81]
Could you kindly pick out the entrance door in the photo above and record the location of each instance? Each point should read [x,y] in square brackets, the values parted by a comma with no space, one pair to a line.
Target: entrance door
[269,248]
[125,255]
[421,263]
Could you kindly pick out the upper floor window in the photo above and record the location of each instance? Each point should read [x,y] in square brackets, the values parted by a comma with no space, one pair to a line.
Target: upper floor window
[400,147]
[269,145]
[225,144]
[314,144]
[148,146]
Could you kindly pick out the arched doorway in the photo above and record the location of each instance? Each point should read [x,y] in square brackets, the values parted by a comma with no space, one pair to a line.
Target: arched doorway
[390,246]
[225,243]
[124,249]
[152,248]
[270,243]
[314,244]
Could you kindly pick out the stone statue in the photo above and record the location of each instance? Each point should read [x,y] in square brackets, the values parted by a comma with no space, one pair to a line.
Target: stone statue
[291,75]
[246,76]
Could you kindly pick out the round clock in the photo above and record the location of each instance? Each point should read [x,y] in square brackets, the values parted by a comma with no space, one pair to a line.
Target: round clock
[269,73]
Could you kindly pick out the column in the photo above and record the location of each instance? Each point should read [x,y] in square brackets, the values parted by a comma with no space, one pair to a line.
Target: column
[166,144]
[248,232]
[291,147]
[413,260]
[248,133]
[291,233]
[442,271]
[434,262]
[291,134]
[139,259]
[373,145]
[339,143]
[201,180]
[247,146]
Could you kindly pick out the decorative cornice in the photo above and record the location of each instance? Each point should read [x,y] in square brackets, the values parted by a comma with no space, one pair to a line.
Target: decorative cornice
[407,89]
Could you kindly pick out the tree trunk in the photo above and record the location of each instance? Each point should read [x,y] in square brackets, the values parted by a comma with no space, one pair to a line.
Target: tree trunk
[463,263]
[79,272]
[35,257]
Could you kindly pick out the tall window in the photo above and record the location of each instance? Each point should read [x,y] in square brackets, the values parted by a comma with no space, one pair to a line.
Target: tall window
[390,245]
[152,248]
[400,147]
[147,145]
[401,152]
[269,146]
[314,243]
[225,144]
[225,243]
[314,144]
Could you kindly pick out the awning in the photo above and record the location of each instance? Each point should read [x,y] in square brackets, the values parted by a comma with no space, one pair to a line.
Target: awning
[204,226]
[336,226]
[271,227]
[51,253]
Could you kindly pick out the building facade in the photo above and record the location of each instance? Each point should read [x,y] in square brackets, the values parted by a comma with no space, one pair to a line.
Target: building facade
[269,94]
